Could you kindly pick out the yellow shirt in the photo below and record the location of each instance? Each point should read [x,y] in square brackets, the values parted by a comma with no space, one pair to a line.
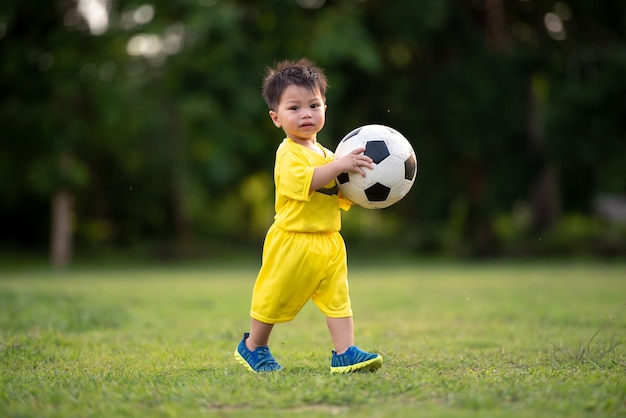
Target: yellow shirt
[297,209]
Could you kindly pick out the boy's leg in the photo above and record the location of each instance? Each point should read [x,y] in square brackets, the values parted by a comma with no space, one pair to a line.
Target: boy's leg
[341,332]
[259,334]
[347,357]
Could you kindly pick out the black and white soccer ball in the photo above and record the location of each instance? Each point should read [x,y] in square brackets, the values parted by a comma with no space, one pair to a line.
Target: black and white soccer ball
[394,172]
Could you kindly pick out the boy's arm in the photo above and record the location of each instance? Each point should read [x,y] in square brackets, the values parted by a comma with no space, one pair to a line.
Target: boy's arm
[352,162]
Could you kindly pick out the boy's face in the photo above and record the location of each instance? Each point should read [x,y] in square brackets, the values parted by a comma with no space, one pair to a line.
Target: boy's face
[301,113]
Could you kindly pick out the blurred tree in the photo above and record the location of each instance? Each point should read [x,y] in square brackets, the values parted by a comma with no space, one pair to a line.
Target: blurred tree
[42,116]
[140,123]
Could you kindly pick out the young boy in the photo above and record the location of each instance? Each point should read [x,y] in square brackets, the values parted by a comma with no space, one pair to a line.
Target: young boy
[304,256]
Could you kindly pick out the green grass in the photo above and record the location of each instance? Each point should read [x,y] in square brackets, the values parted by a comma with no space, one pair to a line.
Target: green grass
[459,340]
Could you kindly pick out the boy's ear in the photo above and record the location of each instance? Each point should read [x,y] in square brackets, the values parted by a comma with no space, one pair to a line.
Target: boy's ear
[274,117]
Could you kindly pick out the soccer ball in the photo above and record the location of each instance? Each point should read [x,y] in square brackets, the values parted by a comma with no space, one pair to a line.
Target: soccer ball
[394,172]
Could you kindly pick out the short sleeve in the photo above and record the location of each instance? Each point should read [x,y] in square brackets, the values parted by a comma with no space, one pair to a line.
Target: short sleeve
[294,176]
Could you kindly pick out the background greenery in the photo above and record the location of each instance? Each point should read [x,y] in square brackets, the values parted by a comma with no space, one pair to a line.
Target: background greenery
[458,340]
[152,127]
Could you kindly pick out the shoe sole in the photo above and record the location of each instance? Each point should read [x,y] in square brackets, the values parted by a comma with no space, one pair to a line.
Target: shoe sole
[243,362]
[365,366]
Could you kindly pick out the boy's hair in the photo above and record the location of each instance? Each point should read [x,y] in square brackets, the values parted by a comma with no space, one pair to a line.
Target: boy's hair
[300,73]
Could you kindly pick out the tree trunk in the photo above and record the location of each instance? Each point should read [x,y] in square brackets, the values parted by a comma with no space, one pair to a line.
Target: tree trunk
[497,33]
[177,170]
[61,234]
[544,193]
[545,204]
[478,228]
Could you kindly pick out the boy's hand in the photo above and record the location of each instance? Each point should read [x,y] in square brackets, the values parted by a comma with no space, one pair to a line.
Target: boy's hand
[355,161]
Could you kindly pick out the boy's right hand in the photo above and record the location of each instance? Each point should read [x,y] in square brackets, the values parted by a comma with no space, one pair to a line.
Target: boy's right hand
[355,161]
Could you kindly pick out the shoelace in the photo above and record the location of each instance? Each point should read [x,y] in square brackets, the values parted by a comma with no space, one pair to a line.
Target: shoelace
[265,359]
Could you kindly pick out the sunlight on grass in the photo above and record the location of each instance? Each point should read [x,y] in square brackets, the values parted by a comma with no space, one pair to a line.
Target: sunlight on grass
[504,340]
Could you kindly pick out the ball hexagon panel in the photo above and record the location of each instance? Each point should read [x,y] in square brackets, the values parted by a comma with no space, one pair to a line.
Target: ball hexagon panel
[352,193]
[390,171]
[400,190]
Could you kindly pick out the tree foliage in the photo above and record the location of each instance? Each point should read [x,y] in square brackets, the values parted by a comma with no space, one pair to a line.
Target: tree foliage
[152,119]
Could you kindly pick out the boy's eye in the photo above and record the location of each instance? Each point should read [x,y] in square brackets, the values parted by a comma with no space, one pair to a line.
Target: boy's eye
[293,108]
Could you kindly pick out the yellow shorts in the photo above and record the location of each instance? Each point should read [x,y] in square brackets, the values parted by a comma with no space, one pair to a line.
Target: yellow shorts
[298,266]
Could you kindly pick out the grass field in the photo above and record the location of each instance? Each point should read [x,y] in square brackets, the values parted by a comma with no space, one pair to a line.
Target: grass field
[459,340]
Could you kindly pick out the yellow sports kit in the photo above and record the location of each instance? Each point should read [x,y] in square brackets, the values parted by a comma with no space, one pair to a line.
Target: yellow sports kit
[304,256]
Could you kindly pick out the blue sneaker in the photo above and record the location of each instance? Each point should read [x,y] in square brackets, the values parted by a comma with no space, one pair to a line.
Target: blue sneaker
[259,360]
[355,360]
